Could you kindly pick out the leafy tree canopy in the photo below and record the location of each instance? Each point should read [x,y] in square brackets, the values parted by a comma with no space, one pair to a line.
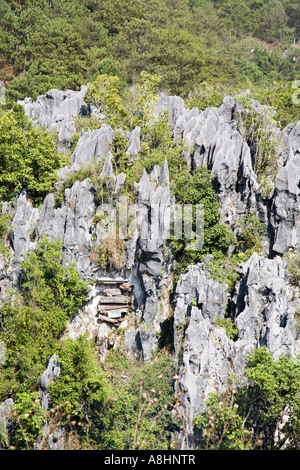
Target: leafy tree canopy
[28,156]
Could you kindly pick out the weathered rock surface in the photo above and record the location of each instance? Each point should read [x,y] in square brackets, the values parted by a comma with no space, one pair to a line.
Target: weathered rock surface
[5,421]
[50,374]
[262,308]
[285,217]
[92,146]
[56,110]
[22,230]
[264,303]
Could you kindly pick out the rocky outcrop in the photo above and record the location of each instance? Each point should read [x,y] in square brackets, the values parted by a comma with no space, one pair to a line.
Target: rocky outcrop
[154,214]
[285,218]
[56,110]
[22,233]
[262,308]
[263,304]
[93,146]
[50,374]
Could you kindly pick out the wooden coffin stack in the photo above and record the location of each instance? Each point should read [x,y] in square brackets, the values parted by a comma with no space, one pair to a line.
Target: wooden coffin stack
[114,299]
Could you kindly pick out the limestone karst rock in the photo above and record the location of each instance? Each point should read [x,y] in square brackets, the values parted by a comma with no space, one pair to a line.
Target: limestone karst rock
[56,110]
[262,306]
[263,309]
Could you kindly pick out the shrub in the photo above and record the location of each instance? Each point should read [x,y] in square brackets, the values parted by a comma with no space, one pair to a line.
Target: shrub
[34,319]
[261,412]
[217,236]
[228,326]
[28,157]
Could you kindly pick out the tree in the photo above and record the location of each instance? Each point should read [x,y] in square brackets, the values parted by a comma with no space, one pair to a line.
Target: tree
[270,403]
[274,23]
[104,94]
[262,411]
[28,157]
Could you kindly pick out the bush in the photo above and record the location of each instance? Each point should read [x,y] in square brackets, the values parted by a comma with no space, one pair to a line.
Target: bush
[217,236]
[261,412]
[28,157]
[34,319]
[140,406]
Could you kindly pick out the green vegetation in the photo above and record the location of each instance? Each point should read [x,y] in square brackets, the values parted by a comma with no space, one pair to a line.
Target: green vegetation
[221,44]
[256,128]
[250,415]
[217,236]
[90,399]
[33,319]
[141,402]
[201,50]
[28,157]
[228,326]
[249,240]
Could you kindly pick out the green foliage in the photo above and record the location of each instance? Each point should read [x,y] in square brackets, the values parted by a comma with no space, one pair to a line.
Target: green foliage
[249,240]
[103,93]
[292,258]
[146,90]
[256,128]
[217,236]
[140,406]
[209,95]
[4,440]
[4,225]
[27,417]
[133,398]
[221,425]
[228,326]
[157,145]
[279,96]
[262,412]
[33,319]
[251,233]
[47,278]
[80,389]
[91,171]
[28,157]
[272,400]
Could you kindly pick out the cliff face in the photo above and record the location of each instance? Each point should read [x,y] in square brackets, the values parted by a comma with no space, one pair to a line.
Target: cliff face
[263,303]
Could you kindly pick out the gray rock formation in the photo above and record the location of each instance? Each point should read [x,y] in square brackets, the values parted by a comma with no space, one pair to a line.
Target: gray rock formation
[50,374]
[263,308]
[134,142]
[92,147]
[56,110]
[22,230]
[154,211]
[263,305]
[6,426]
[71,223]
